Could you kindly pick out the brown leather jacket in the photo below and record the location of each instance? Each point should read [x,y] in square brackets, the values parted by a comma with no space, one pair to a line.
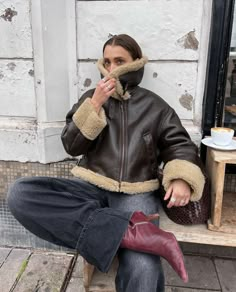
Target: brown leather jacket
[125,143]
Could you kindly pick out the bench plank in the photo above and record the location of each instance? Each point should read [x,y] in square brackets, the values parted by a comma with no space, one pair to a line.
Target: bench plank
[196,233]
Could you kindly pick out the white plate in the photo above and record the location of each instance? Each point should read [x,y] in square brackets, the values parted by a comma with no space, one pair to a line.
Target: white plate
[208,142]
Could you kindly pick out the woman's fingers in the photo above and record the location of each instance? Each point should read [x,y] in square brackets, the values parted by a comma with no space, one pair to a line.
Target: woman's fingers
[168,193]
[104,89]
[108,84]
[180,194]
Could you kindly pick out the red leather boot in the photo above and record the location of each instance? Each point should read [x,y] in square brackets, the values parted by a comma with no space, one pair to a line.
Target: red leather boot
[142,235]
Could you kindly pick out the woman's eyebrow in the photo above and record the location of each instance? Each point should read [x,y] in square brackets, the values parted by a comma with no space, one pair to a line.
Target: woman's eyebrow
[119,58]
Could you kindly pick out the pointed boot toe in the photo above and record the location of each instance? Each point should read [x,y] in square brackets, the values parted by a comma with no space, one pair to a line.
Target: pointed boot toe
[142,235]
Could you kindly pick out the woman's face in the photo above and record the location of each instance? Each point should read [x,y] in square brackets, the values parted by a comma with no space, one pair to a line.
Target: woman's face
[115,56]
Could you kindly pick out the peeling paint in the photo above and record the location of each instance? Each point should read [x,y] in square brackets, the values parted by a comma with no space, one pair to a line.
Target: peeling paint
[8,14]
[31,72]
[189,41]
[186,100]
[87,82]
[155,75]
[11,66]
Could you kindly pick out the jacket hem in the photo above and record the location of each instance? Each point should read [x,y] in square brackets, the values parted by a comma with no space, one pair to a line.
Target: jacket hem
[113,185]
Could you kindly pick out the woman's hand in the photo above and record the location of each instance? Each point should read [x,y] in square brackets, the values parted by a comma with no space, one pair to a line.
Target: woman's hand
[105,88]
[179,193]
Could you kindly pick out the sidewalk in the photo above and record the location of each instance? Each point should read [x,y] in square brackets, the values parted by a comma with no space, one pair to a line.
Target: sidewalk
[26,270]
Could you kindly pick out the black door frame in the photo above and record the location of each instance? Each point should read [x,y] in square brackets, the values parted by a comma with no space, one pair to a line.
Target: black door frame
[218,57]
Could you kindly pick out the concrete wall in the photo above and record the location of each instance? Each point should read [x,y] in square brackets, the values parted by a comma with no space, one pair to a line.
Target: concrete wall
[48,51]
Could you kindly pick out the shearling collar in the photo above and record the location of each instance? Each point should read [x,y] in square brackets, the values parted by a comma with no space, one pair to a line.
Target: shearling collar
[123,70]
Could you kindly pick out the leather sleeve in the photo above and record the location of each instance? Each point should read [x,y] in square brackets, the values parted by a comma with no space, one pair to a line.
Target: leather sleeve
[174,141]
[180,155]
[82,127]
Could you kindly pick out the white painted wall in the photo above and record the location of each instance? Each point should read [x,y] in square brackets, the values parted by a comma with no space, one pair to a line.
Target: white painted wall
[47,58]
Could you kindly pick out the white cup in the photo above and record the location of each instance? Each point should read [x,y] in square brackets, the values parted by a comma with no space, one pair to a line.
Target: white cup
[222,136]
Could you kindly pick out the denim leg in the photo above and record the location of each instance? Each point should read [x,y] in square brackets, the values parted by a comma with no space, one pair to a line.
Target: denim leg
[71,213]
[101,236]
[139,272]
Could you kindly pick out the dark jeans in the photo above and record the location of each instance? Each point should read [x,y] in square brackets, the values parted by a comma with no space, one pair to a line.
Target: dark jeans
[79,215]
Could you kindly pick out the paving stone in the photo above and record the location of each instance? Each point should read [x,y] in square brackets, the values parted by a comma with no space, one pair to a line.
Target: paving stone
[12,267]
[45,272]
[78,269]
[75,285]
[201,271]
[4,252]
[226,270]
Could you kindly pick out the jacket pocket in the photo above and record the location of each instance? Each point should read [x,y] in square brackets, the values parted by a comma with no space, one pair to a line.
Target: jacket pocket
[151,151]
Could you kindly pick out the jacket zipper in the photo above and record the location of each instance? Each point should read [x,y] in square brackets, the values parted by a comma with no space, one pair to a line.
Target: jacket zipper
[122,142]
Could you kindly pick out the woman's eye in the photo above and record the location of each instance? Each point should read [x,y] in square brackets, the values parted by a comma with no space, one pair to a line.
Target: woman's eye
[106,63]
[120,62]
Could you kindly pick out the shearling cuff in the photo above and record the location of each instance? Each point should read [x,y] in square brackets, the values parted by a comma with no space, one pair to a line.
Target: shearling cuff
[187,171]
[88,121]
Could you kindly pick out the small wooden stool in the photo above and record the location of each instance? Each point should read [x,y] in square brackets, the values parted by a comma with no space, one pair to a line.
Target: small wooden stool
[223,215]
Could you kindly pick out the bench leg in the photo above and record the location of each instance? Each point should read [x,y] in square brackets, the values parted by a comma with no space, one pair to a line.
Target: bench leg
[88,274]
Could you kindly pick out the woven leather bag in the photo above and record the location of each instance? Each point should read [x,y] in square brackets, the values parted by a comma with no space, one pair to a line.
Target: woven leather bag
[194,212]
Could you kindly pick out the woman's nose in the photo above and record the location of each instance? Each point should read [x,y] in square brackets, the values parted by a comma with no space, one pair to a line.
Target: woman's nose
[112,67]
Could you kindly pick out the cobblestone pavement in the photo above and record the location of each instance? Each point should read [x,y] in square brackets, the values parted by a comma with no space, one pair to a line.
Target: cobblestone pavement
[27,270]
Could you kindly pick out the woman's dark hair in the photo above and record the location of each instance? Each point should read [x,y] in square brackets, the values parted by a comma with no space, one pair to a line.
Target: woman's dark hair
[126,42]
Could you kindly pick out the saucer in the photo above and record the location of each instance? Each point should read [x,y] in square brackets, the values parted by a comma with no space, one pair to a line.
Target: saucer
[208,142]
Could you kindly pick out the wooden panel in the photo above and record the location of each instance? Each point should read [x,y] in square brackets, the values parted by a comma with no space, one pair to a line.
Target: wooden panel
[15,38]
[44,272]
[12,267]
[224,156]
[217,183]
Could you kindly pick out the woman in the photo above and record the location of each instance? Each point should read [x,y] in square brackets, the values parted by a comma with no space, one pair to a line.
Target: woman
[123,133]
